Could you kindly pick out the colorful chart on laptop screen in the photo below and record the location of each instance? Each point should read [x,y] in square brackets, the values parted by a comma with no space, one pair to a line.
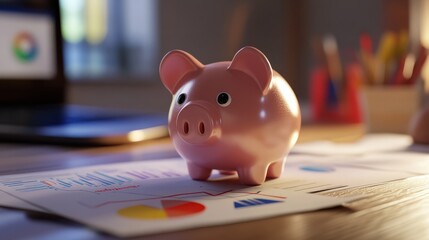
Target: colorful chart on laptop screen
[25,47]
[168,209]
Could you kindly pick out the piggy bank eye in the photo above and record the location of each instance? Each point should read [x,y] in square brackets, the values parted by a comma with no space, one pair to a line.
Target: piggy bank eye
[224,99]
[181,99]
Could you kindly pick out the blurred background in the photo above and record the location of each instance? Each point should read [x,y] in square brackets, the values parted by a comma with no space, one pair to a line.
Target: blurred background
[113,48]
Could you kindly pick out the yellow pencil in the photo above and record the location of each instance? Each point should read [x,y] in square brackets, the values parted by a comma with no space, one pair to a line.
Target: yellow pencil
[385,54]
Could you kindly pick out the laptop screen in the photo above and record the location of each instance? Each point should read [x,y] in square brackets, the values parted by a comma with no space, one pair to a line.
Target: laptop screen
[31,65]
[27,40]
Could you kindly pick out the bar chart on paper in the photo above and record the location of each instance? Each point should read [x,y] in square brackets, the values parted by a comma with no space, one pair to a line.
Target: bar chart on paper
[254,202]
[101,179]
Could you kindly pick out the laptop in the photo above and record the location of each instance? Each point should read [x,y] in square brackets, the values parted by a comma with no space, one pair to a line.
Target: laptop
[33,86]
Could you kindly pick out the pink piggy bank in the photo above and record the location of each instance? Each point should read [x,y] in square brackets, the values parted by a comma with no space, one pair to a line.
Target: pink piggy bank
[231,116]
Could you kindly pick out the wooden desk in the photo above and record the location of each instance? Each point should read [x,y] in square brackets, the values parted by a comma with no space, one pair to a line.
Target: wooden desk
[395,210]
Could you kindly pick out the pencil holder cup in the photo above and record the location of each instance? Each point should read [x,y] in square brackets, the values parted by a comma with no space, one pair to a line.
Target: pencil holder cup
[335,105]
[389,108]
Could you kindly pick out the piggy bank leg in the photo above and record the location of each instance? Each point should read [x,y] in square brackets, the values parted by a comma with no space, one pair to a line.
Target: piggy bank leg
[254,175]
[275,169]
[198,173]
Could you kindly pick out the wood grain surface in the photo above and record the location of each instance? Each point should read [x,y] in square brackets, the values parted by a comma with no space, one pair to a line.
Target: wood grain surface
[393,210]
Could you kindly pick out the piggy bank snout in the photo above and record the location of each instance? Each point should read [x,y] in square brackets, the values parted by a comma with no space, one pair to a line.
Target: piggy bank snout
[198,123]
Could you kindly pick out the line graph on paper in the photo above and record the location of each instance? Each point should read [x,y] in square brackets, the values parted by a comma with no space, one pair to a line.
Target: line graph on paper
[193,195]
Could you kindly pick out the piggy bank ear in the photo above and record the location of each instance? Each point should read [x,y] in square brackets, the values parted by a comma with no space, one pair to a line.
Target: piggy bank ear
[175,66]
[253,62]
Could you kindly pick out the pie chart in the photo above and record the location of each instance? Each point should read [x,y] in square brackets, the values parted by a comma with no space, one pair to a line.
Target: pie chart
[25,47]
[168,209]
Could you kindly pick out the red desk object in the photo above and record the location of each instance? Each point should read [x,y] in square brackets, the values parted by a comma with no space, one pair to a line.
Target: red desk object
[347,109]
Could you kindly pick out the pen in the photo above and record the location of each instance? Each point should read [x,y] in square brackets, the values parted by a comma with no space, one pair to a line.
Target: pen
[333,62]
[366,57]
[385,55]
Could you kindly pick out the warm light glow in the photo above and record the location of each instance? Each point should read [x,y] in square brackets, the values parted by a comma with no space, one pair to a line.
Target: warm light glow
[424,38]
[424,24]
[84,19]
[425,75]
[291,100]
[96,20]
[73,25]
[294,137]
[293,104]
[136,136]
[408,66]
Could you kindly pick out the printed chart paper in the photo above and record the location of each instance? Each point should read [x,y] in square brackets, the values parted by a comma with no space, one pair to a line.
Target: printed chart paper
[401,161]
[371,143]
[339,174]
[7,200]
[151,197]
